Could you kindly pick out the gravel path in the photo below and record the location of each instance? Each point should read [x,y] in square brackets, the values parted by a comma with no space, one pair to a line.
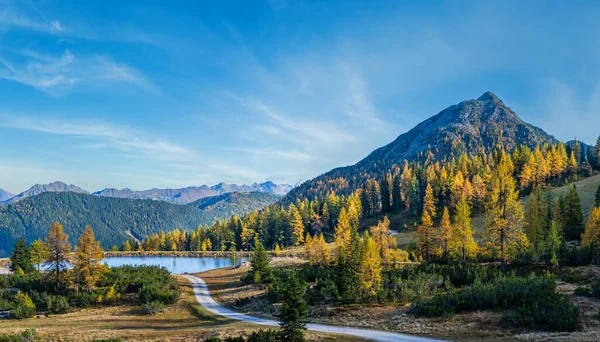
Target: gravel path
[206,300]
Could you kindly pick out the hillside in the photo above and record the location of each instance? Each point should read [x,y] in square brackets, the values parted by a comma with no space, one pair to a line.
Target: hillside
[472,127]
[113,219]
[235,203]
[586,188]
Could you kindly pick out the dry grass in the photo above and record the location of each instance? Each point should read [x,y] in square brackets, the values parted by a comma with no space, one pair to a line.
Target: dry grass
[475,326]
[178,323]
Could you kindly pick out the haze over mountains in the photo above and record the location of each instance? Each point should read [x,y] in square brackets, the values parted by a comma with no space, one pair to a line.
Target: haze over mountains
[471,127]
[176,196]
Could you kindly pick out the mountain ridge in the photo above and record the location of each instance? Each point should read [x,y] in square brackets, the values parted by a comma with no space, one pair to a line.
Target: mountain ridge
[172,195]
[472,126]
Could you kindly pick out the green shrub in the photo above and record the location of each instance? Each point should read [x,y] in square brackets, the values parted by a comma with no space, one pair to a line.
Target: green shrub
[152,308]
[212,339]
[234,339]
[552,313]
[534,300]
[583,291]
[24,306]
[24,336]
[268,335]
[153,293]
[595,290]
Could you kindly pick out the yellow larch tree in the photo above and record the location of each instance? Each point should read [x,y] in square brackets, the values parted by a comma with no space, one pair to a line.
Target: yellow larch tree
[88,267]
[342,230]
[504,214]
[426,235]
[445,234]
[462,242]
[370,266]
[297,225]
[59,249]
[591,235]
[429,201]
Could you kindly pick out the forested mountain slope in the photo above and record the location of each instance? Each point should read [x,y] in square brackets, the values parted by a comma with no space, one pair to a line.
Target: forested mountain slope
[235,203]
[471,127]
[113,219]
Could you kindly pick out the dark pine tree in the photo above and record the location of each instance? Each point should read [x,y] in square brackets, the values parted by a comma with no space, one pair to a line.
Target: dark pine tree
[20,258]
[571,215]
[384,190]
[396,194]
[292,318]
[260,263]
[598,197]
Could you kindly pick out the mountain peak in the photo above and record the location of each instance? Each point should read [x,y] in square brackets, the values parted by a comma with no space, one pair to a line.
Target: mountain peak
[489,96]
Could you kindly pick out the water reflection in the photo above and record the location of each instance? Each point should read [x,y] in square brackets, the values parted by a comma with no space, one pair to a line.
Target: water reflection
[177,265]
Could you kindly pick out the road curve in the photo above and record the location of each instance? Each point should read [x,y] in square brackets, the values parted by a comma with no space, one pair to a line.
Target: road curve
[206,300]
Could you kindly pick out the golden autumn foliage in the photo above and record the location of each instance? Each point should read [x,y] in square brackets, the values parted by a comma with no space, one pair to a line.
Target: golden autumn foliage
[426,235]
[88,268]
[59,248]
[591,235]
[462,243]
[317,250]
[370,266]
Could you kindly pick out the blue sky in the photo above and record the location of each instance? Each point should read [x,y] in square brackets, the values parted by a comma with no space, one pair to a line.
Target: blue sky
[169,94]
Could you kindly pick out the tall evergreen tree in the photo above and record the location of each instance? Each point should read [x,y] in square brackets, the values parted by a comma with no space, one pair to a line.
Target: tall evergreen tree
[260,269]
[552,244]
[20,259]
[536,217]
[292,318]
[598,197]
[396,194]
[429,202]
[384,186]
[571,215]
[297,226]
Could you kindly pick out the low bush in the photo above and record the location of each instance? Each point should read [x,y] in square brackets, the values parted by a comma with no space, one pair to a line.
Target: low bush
[152,308]
[534,300]
[268,335]
[595,290]
[552,313]
[154,293]
[24,307]
[583,291]
[29,335]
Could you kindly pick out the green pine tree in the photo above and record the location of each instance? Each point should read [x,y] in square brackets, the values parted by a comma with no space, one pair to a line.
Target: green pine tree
[571,215]
[292,318]
[20,258]
[598,197]
[552,244]
[260,263]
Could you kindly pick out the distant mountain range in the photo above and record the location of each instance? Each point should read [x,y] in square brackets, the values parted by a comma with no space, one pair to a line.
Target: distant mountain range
[470,127]
[176,196]
[116,219]
[5,195]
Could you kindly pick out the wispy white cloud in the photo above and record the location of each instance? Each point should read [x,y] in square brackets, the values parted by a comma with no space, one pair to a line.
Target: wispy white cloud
[59,75]
[273,152]
[103,135]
